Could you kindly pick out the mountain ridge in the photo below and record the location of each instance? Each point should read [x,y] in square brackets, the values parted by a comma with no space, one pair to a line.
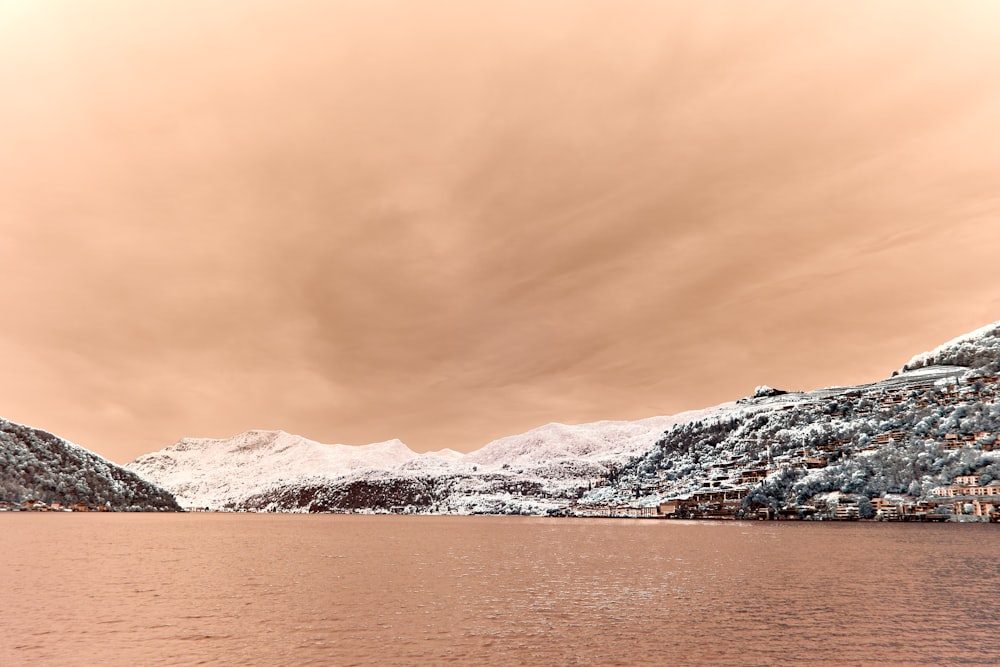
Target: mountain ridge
[771,451]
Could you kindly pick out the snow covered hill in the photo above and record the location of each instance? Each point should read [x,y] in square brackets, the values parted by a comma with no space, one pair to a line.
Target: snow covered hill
[204,472]
[36,466]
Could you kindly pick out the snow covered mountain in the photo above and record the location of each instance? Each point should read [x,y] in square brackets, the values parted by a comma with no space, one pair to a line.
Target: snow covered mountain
[204,472]
[36,466]
[250,470]
[906,435]
[603,441]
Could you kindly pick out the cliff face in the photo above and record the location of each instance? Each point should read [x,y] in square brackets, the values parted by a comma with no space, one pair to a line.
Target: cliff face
[38,466]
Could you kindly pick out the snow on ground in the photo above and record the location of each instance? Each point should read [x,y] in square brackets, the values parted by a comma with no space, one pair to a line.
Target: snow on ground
[443,455]
[597,441]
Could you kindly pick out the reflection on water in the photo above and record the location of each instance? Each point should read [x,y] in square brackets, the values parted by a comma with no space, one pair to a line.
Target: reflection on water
[340,590]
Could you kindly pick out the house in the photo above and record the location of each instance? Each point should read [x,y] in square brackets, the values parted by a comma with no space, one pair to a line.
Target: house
[752,475]
[962,506]
[961,486]
[846,512]
[639,512]
[720,495]
[991,489]
[890,436]
[886,510]
[669,507]
[986,508]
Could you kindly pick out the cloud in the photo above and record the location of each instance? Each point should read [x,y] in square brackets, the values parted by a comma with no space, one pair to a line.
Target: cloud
[449,223]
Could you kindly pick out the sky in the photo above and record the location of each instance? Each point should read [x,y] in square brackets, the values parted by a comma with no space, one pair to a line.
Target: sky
[451,221]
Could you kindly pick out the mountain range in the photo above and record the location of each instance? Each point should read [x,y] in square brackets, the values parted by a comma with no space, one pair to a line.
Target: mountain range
[897,445]
[886,444]
[274,470]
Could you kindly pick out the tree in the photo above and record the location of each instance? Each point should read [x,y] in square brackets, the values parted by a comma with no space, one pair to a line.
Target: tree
[865,508]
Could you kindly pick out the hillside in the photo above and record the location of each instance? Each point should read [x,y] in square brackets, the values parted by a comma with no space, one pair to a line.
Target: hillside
[38,466]
[889,448]
[922,443]
[902,438]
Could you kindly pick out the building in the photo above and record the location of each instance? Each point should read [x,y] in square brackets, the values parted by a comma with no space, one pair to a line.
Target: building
[669,508]
[846,511]
[886,510]
[961,486]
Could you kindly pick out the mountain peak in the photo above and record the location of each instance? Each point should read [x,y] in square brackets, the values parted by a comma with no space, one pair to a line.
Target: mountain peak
[212,471]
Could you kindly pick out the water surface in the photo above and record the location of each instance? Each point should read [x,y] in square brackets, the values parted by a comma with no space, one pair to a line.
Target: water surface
[220,589]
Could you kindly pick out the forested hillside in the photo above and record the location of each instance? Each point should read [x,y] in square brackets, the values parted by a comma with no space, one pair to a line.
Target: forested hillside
[901,438]
[38,466]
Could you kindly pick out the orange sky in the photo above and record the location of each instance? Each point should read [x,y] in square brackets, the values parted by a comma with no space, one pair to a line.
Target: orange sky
[452,221]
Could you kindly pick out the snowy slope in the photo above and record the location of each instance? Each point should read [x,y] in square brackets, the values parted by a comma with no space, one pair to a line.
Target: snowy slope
[597,441]
[205,472]
[217,473]
[531,473]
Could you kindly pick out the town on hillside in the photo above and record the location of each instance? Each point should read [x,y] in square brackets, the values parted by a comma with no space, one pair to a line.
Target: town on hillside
[964,499]
[878,452]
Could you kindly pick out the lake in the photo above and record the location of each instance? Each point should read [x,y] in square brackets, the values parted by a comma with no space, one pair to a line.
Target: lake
[244,589]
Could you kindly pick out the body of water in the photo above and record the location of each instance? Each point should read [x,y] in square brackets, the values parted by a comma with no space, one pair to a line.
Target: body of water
[221,589]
